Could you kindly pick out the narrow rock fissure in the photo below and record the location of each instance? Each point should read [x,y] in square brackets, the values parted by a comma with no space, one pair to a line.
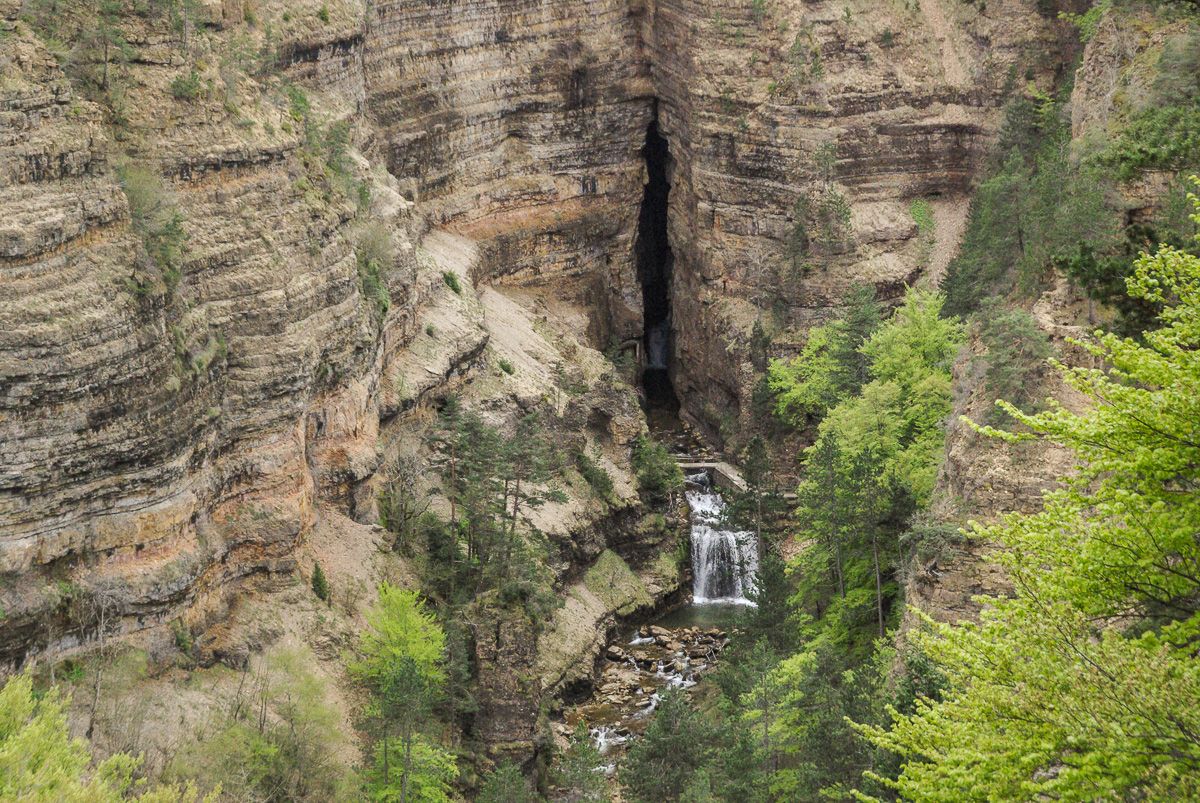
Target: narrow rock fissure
[654,266]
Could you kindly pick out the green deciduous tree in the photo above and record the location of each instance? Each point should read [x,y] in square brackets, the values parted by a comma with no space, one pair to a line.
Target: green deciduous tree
[41,763]
[1085,684]
[278,738]
[831,365]
[402,662]
[876,456]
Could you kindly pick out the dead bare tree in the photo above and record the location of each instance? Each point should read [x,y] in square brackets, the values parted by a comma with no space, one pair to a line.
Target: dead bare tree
[401,499]
[99,605]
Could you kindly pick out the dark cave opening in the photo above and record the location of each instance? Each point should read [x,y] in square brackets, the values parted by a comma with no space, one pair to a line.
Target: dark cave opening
[652,251]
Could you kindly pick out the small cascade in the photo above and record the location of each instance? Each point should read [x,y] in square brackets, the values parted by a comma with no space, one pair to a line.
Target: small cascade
[657,339]
[724,562]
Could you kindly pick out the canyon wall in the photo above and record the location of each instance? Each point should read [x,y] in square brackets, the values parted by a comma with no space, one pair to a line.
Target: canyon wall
[174,424]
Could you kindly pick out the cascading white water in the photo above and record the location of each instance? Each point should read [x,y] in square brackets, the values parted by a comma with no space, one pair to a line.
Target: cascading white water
[656,345]
[724,562]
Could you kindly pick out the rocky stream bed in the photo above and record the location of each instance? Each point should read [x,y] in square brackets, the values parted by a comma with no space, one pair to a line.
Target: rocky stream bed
[637,669]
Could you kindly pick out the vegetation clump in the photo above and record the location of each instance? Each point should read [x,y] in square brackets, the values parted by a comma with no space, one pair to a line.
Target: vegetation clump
[1085,678]
[320,584]
[157,221]
[658,474]
[186,86]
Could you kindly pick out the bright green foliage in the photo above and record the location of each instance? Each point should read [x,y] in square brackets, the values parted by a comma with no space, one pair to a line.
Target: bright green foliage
[452,281]
[278,739]
[506,784]
[830,367]
[658,474]
[41,763]
[898,413]
[1089,21]
[1085,684]
[875,458]
[576,776]
[872,466]
[402,663]
[399,627]
[432,772]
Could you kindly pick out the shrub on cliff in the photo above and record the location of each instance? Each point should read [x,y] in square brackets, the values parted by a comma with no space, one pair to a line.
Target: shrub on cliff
[658,474]
[186,86]
[830,367]
[156,220]
[1016,350]
[39,761]
[320,584]
[594,474]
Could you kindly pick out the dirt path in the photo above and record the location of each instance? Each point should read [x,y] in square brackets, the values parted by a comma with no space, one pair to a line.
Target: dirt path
[942,31]
[949,223]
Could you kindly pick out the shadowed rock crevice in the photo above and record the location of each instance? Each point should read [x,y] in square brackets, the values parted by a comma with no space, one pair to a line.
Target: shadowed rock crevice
[654,267]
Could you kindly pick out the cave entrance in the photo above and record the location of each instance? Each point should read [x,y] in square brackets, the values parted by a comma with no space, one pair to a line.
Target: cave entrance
[652,251]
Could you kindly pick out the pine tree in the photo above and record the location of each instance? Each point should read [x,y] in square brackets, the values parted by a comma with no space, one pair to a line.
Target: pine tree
[506,784]
[674,746]
[320,584]
[578,774]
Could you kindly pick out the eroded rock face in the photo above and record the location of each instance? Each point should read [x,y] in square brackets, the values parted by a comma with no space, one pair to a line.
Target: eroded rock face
[869,104]
[166,437]
[169,442]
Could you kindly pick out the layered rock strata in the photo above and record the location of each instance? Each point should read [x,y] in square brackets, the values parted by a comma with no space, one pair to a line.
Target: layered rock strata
[223,257]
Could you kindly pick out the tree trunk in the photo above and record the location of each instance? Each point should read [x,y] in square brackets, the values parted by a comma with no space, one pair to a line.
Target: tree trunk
[387,769]
[878,583]
[837,562]
[407,767]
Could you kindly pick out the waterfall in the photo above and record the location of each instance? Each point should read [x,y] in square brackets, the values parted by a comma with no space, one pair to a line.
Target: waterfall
[724,562]
[656,345]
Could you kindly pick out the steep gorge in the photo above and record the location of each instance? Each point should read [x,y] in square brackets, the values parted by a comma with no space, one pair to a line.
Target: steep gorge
[177,445]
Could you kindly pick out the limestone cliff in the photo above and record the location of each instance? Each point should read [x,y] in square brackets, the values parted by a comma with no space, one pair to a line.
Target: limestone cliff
[223,247]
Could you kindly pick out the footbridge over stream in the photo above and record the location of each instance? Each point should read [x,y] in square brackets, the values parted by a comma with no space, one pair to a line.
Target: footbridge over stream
[724,475]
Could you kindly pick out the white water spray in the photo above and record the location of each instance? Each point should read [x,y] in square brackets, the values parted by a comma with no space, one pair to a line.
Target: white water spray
[724,562]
